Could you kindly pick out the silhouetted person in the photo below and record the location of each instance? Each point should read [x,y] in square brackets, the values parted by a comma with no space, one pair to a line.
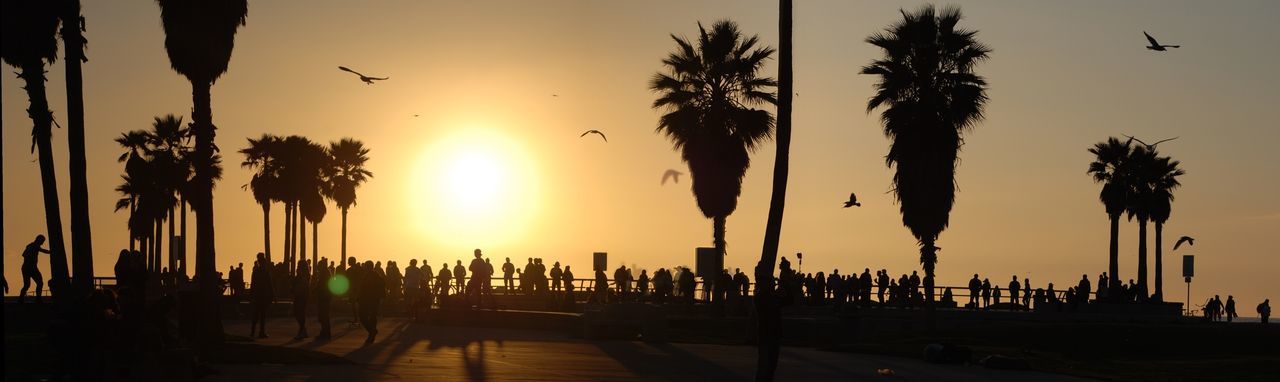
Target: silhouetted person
[1014,287]
[986,293]
[1083,288]
[865,285]
[444,281]
[301,290]
[372,292]
[975,291]
[568,284]
[31,269]
[323,298]
[601,287]
[263,294]
[412,281]
[744,282]
[642,284]
[508,270]
[1026,292]
[556,273]
[1264,310]
[947,297]
[460,278]
[354,273]
[1231,308]
[882,283]
[995,294]
[478,269]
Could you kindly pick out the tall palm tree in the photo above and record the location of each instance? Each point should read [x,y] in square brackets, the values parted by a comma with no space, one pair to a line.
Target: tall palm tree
[199,38]
[708,92]
[170,148]
[1165,175]
[262,155]
[1142,161]
[930,97]
[81,240]
[1109,167]
[348,157]
[769,314]
[29,41]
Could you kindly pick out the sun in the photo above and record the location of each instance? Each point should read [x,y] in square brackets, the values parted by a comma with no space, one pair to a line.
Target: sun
[475,187]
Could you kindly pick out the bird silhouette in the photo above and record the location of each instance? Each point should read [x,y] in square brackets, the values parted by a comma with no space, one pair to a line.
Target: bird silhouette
[671,174]
[367,80]
[1155,45]
[1185,239]
[596,132]
[853,201]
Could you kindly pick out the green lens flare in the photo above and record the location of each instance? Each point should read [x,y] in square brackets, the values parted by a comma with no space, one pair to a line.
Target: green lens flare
[338,285]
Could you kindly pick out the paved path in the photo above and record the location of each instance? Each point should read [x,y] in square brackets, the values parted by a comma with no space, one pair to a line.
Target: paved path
[416,352]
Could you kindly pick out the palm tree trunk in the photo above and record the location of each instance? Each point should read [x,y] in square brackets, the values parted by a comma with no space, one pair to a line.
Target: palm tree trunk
[132,211]
[266,229]
[173,261]
[42,134]
[928,260]
[302,230]
[717,234]
[1159,293]
[157,249]
[315,243]
[81,240]
[1142,259]
[202,159]
[344,235]
[768,313]
[1114,266]
[185,238]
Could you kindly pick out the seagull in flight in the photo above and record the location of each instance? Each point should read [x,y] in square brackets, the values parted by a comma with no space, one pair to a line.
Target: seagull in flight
[853,201]
[367,80]
[672,174]
[596,132]
[1155,45]
[1185,239]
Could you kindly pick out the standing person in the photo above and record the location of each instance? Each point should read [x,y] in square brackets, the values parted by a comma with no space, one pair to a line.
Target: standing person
[444,281]
[372,291]
[478,270]
[882,283]
[301,289]
[263,294]
[642,284]
[412,279]
[975,291]
[1083,289]
[460,277]
[323,297]
[1264,310]
[1014,286]
[31,268]
[1231,308]
[355,273]
[995,294]
[1026,292]
[602,287]
[568,285]
[508,273]
[556,274]
[986,293]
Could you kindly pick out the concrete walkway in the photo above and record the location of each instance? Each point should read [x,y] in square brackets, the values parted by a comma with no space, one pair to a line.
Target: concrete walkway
[415,352]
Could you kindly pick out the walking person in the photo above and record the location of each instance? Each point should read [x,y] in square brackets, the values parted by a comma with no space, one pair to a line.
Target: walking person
[1231,308]
[372,291]
[323,297]
[301,290]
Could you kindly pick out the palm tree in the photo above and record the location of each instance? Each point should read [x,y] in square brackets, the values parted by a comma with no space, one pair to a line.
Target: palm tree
[262,155]
[199,38]
[931,96]
[348,157]
[1165,173]
[29,41]
[1109,167]
[769,314]
[708,92]
[155,172]
[1142,161]
[170,149]
[81,240]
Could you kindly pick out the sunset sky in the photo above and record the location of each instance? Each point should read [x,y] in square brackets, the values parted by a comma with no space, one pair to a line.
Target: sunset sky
[494,161]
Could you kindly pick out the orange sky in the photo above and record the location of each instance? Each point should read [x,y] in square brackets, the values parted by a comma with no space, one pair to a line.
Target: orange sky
[481,75]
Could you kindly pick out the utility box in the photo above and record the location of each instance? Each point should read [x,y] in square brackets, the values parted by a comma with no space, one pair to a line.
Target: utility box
[708,261]
[1188,266]
[600,261]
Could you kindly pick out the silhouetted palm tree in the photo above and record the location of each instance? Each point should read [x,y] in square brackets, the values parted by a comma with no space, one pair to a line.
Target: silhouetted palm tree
[769,314]
[199,37]
[29,41]
[708,92]
[262,155]
[348,157]
[81,239]
[1109,167]
[931,96]
[1165,173]
[156,170]
[1141,160]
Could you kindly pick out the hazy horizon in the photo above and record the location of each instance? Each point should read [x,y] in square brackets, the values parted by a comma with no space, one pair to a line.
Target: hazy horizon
[481,76]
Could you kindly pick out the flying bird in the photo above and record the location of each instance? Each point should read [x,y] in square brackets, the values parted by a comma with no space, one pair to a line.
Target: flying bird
[671,174]
[1155,45]
[596,132]
[853,201]
[1185,239]
[367,80]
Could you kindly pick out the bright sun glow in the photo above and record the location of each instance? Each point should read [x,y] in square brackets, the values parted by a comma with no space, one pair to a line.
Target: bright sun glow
[477,187]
